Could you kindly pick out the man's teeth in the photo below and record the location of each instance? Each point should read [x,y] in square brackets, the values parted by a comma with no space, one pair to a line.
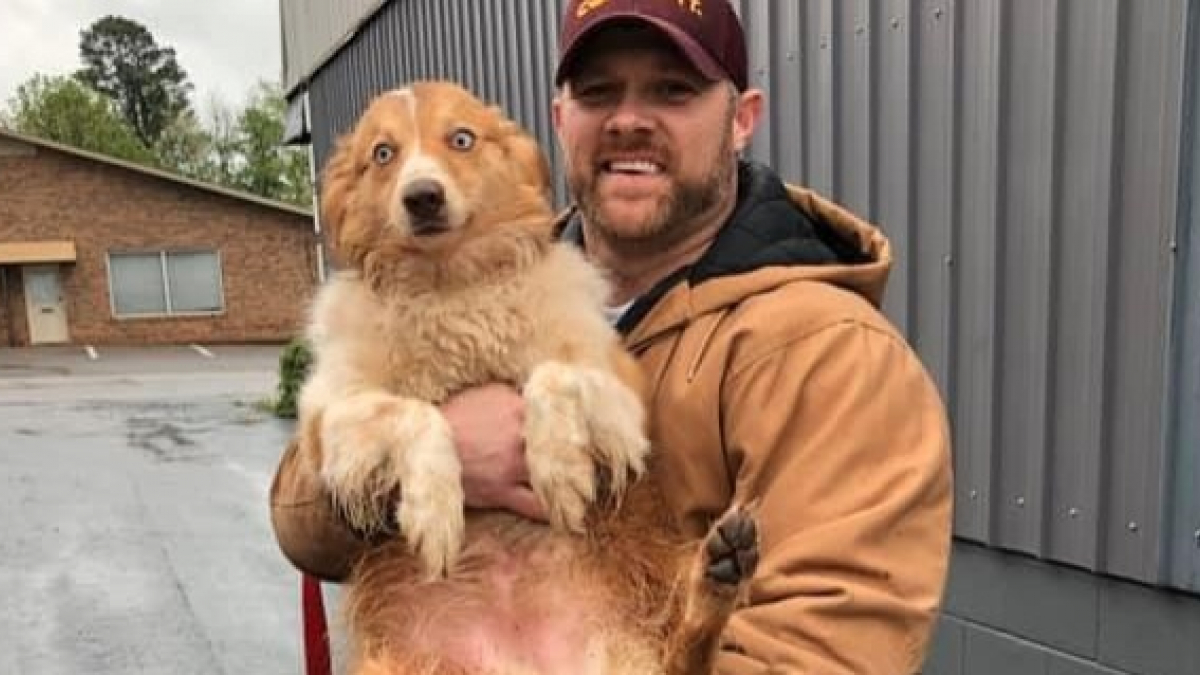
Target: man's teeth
[634,166]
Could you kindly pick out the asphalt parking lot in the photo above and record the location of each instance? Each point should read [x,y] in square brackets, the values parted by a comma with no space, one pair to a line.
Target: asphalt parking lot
[136,538]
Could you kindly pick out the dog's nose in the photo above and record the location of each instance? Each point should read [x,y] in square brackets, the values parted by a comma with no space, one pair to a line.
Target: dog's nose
[424,199]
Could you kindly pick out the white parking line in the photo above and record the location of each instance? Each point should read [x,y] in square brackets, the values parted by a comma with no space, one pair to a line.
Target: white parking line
[91,352]
[202,351]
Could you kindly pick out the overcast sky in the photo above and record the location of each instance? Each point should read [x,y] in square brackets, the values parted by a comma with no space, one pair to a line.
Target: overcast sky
[225,46]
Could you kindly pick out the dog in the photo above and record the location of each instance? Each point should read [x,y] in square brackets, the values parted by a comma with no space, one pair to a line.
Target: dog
[437,208]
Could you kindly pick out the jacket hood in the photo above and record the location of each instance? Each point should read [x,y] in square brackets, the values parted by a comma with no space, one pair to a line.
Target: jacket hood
[778,234]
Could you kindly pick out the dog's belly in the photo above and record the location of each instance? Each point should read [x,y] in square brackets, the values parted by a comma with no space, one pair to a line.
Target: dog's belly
[523,601]
[542,632]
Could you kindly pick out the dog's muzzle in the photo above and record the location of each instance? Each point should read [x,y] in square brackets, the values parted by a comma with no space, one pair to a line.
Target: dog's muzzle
[425,201]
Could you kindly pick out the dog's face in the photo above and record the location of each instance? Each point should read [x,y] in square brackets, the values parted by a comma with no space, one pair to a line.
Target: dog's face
[425,166]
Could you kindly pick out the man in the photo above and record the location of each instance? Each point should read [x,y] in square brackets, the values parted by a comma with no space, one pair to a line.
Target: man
[753,308]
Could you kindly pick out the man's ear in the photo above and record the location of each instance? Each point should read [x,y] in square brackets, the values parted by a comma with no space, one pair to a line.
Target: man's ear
[556,112]
[746,116]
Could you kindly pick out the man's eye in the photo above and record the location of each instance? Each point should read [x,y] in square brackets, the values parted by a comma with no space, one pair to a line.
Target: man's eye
[592,93]
[383,153]
[675,92]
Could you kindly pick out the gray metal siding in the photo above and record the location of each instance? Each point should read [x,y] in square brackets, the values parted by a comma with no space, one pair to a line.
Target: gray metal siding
[1024,157]
[1010,614]
[311,31]
[1185,440]
[1153,42]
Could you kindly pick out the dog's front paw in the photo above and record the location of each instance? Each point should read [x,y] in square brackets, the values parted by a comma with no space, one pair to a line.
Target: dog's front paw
[378,446]
[356,468]
[617,423]
[430,513]
[558,453]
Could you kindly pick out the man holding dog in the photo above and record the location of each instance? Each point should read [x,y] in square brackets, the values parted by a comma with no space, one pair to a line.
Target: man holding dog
[753,309]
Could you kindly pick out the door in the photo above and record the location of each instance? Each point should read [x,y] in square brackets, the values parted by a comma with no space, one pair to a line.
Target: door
[44,301]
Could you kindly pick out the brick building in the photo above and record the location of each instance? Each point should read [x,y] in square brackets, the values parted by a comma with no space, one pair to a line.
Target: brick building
[95,250]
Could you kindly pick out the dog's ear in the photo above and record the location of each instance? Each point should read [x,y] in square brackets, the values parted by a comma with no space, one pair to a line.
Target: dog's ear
[526,156]
[337,185]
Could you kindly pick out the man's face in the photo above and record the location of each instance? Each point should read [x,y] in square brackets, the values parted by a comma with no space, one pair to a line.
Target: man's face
[650,144]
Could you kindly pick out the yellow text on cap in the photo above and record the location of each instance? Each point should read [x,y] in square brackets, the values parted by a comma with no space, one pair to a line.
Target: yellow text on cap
[586,7]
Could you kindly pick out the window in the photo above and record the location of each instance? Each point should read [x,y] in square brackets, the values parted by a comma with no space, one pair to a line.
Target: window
[165,283]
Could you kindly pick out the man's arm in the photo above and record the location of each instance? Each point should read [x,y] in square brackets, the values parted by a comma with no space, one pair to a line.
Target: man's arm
[309,532]
[486,423]
[842,440]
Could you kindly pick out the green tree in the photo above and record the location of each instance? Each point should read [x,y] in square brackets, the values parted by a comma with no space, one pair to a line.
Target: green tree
[66,111]
[240,148]
[224,151]
[123,61]
[267,167]
[185,147]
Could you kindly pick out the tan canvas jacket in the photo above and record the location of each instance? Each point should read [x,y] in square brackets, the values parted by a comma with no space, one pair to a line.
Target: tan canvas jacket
[786,388]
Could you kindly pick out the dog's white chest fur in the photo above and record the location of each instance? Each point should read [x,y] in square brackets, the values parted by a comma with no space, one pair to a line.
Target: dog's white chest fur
[431,345]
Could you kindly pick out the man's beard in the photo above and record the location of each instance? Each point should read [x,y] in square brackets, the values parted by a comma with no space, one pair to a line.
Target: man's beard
[673,217]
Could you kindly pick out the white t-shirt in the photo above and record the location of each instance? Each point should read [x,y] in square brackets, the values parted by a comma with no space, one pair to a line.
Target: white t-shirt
[614,314]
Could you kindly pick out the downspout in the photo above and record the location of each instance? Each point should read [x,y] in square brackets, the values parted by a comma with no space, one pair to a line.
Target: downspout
[313,180]
[8,320]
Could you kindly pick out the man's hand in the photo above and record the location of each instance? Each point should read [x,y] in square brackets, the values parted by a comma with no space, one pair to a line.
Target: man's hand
[487,424]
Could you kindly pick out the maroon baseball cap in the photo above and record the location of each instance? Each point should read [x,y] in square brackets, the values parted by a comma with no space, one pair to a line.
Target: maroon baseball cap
[707,32]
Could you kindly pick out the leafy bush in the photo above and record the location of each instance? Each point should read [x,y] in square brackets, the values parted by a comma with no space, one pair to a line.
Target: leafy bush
[294,363]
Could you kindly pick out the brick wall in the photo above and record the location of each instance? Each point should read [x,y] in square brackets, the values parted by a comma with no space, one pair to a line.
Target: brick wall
[267,255]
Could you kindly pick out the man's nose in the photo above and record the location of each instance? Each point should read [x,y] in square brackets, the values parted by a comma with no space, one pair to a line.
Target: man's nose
[629,115]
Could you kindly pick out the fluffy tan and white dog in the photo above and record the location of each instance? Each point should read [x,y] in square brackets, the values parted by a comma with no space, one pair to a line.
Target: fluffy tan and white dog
[436,207]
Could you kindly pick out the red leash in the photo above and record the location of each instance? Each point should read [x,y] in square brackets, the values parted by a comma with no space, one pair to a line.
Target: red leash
[317,660]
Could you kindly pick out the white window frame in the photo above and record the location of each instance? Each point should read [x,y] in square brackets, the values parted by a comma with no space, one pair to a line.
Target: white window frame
[163,254]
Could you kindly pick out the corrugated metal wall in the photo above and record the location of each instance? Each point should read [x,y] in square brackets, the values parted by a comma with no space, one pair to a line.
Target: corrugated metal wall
[1185,438]
[1025,158]
[312,30]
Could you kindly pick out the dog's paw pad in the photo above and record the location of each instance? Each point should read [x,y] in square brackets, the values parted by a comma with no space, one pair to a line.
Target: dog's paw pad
[731,550]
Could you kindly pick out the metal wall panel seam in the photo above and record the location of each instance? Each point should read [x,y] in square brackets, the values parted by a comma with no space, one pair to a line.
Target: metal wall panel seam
[854,110]
[999,275]
[1150,177]
[1078,442]
[974,217]
[1184,428]
[784,104]
[897,157]
[935,182]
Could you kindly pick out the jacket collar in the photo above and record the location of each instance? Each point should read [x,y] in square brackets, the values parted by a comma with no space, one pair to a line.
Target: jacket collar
[776,232]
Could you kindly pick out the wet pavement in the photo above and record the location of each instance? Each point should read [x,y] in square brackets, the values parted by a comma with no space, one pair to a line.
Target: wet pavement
[134,532]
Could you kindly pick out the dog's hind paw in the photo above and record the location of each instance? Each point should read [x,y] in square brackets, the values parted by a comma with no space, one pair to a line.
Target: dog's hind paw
[731,550]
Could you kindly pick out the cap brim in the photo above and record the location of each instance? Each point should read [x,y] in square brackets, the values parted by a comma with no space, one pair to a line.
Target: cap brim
[699,57]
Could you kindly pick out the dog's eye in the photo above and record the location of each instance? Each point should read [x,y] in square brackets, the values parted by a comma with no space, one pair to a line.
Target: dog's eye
[383,153]
[463,139]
